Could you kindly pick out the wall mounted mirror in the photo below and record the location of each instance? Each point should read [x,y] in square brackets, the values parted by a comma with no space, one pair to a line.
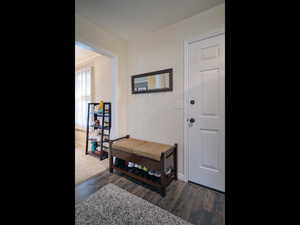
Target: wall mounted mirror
[156,81]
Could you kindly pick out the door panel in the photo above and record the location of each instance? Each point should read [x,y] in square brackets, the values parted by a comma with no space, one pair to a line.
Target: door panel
[209,144]
[206,135]
[209,97]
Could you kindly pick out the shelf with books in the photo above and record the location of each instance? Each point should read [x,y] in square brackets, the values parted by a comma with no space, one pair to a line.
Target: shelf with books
[98,128]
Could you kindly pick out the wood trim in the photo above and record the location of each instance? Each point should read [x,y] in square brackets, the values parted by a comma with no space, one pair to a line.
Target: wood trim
[181,177]
[210,34]
[186,112]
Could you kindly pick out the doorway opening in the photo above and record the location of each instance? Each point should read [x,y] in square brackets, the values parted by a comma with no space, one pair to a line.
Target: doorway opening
[96,73]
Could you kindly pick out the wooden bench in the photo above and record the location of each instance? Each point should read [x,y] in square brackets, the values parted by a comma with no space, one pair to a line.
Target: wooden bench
[152,155]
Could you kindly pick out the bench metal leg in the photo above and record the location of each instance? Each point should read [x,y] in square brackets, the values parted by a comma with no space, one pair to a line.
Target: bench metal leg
[111,170]
[175,160]
[163,191]
[163,178]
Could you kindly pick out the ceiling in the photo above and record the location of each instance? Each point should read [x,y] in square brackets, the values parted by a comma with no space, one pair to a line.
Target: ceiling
[82,54]
[129,18]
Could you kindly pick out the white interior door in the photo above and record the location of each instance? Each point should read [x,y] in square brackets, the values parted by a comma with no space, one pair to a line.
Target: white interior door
[206,116]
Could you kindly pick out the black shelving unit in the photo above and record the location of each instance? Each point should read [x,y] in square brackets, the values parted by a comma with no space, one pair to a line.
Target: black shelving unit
[103,128]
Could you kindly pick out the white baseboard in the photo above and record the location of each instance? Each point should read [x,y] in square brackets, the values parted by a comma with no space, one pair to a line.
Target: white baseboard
[181,177]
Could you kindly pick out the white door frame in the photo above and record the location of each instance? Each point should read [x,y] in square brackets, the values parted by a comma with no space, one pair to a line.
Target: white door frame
[115,82]
[186,96]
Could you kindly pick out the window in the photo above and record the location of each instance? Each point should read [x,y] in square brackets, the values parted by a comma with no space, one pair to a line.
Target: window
[82,96]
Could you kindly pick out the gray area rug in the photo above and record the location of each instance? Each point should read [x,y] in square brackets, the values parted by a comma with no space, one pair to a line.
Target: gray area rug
[112,205]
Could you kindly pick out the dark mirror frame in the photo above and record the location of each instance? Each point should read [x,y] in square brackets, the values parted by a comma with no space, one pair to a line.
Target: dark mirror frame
[170,88]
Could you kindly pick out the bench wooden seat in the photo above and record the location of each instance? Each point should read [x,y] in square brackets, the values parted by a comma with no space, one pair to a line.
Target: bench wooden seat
[154,156]
[148,149]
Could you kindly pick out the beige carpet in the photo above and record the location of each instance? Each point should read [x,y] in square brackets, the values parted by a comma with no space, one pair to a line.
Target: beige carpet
[87,166]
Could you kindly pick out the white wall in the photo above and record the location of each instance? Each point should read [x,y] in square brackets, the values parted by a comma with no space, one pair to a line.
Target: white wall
[159,116]
[102,82]
[97,38]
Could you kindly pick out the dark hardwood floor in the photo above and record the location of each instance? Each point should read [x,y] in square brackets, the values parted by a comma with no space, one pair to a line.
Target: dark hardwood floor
[191,202]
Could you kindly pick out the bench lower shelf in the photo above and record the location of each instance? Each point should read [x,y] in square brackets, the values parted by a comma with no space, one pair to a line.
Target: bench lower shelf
[137,177]
[153,182]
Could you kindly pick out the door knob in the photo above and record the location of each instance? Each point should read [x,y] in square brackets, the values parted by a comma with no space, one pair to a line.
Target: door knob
[192,102]
[192,120]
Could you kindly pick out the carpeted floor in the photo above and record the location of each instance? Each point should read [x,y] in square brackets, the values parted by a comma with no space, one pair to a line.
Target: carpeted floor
[112,205]
[87,166]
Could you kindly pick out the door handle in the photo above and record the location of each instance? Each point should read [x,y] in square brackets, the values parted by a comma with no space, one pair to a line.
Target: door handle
[192,120]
